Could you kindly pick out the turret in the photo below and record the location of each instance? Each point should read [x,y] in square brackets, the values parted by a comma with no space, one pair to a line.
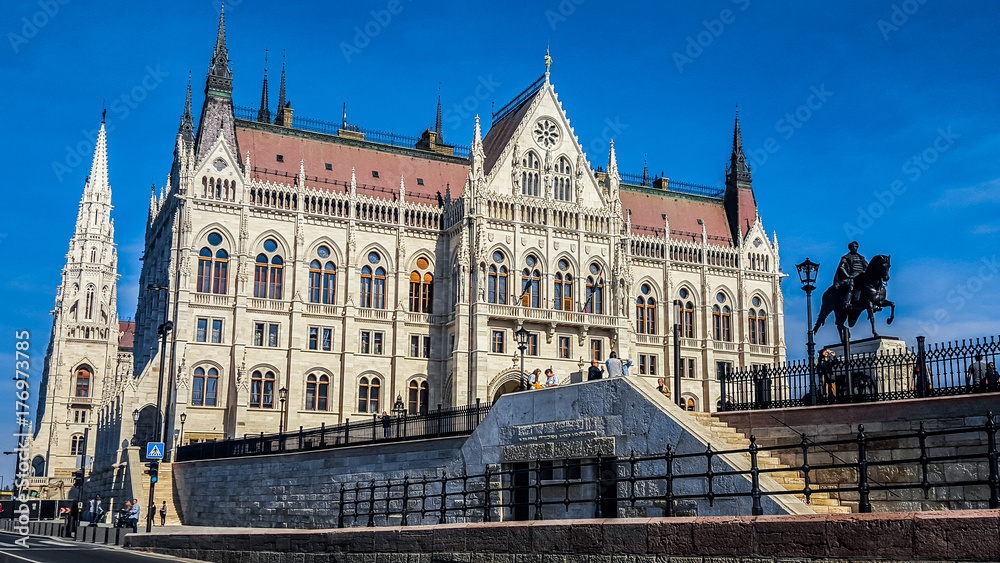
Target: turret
[741,206]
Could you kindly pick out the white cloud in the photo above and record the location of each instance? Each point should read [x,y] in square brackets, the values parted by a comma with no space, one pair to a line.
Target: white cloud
[955,198]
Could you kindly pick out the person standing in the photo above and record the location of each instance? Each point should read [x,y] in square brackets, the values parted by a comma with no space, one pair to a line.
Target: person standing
[626,363]
[386,424]
[975,376]
[96,512]
[992,377]
[133,515]
[614,365]
[595,371]
[163,514]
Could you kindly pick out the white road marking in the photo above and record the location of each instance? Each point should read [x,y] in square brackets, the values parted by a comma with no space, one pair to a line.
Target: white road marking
[19,557]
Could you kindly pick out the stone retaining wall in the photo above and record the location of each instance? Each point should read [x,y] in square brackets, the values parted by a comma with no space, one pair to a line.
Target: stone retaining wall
[885,419]
[915,537]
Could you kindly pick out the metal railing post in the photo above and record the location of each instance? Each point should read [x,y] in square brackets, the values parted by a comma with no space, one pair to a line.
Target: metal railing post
[371,505]
[668,509]
[754,478]
[486,498]
[864,505]
[597,485]
[921,384]
[538,491]
[406,497]
[722,390]
[340,513]
[991,439]
[444,498]
[347,431]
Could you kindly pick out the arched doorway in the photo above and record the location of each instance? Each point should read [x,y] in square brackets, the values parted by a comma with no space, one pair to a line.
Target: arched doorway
[506,387]
[38,466]
[145,428]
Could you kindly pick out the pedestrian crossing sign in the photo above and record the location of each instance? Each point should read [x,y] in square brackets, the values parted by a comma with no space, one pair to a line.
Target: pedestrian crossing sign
[154,450]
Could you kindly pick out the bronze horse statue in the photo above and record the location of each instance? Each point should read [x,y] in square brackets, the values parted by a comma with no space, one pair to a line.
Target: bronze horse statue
[871,286]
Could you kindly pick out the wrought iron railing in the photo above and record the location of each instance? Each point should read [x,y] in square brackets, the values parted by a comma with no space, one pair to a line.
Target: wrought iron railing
[519,99]
[678,186]
[460,421]
[862,377]
[331,128]
[603,487]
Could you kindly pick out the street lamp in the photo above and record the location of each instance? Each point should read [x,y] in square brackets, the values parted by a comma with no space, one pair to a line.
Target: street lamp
[183,418]
[399,411]
[807,275]
[282,396]
[678,307]
[521,336]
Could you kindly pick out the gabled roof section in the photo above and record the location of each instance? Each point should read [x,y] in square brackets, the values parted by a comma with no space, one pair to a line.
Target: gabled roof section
[505,122]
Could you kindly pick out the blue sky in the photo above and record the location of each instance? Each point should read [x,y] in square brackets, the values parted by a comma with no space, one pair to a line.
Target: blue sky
[871,120]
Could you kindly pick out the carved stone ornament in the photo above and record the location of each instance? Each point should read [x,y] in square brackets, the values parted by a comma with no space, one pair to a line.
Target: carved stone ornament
[490,237]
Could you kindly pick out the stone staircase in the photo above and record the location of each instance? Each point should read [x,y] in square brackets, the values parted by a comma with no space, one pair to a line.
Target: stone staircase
[821,503]
[165,492]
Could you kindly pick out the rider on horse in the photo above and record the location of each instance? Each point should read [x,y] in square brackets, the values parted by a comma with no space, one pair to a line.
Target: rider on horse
[851,265]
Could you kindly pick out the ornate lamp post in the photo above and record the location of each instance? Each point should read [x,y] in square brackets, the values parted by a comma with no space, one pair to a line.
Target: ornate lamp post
[282,396]
[180,440]
[521,335]
[399,411]
[135,427]
[807,275]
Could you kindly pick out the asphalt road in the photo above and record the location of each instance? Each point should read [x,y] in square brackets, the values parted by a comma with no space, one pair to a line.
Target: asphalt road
[53,550]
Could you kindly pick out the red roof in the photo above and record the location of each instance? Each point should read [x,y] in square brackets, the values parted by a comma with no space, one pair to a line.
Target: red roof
[437,174]
[682,213]
[126,331]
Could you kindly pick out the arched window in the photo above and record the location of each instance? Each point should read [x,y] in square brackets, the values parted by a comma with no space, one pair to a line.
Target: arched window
[205,387]
[531,280]
[687,320]
[757,323]
[722,320]
[368,394]
[421,287]
[83,381]
[497,280]
[89,307]
[317,392]
[77,445]
[645,311]
[418,397]
[268,278]
[322,278]
[595,291]
[213,275]
[562,183]
[690,404]
[373,283]
[529,178]
[262,390]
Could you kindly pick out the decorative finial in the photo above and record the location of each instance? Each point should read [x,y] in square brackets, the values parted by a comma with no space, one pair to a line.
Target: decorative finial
[104,113]
[548,63]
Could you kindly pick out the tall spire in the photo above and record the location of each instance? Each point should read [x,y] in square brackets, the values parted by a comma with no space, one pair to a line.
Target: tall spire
[437,122]
[264,113]
[279,117]
[97,182]
[187,122]
[645,172]
[220,76]
[94,215]
[737,161]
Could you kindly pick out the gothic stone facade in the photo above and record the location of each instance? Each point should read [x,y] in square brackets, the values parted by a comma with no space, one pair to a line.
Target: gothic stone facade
[313,278]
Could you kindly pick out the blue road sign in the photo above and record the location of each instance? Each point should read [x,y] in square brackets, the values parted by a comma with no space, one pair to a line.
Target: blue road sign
[154,450]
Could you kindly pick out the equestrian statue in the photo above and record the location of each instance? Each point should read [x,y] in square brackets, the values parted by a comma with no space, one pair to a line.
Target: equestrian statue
[858,286]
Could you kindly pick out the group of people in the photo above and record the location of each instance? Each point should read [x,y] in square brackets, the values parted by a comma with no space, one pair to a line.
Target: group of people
[130,513]
[538,380]
[616,367]
[980,376]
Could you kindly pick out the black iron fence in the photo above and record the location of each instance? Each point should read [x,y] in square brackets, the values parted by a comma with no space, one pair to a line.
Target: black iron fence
[865,377]
[603,487]
[460,421]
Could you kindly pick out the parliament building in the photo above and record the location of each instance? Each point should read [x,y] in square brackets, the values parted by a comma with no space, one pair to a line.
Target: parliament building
[316,272]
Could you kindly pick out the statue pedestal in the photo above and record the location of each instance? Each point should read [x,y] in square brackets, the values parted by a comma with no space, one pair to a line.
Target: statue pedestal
[880,345]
